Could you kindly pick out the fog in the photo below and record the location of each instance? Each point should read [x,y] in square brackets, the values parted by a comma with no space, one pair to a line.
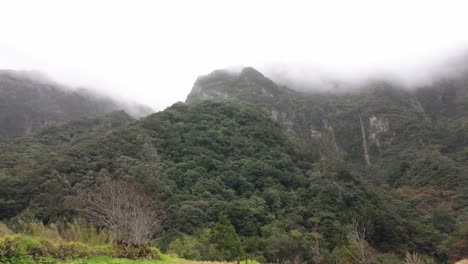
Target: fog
[152,51]
[411,76]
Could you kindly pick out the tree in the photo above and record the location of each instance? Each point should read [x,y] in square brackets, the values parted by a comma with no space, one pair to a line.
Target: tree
[187,247]
[457,244]
[132,216]
[316,249]
[359,248]
[224,237]
[443,220]
[413,258]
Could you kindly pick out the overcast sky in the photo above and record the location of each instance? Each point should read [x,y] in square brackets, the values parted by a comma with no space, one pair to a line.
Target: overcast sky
[152,51]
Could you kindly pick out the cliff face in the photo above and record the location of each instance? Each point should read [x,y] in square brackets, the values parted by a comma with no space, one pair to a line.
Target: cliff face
[29,102]
[249,83]
[379,125]
[375,114]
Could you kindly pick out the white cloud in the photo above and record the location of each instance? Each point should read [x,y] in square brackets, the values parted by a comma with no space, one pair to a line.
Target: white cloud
[152,51]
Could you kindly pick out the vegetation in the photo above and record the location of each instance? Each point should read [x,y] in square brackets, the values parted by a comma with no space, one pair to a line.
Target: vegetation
[30,101]
[63,241]
[231,183]
[131,216]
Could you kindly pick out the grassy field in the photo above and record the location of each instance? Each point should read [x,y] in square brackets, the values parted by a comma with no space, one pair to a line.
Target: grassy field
[165,259]
[26,249]
[78,243]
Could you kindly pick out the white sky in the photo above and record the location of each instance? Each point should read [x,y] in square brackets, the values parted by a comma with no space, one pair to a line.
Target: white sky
[152,51]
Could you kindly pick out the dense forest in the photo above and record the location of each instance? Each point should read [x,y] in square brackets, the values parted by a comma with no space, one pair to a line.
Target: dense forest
[250,169]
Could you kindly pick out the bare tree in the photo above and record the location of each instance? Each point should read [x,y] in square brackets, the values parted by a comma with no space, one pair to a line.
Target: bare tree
[415,258]
[315,247]
[132,216]
[361,251]
[412,258]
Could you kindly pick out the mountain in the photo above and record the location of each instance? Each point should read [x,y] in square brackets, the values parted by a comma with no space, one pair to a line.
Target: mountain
[209,158]
[382,108]
[29,102]
[414,140]
[283,170]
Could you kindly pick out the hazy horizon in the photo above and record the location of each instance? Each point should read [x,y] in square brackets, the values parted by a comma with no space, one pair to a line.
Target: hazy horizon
[153,52]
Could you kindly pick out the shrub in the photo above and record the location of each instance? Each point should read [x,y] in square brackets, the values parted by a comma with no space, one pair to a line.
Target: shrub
[186,247]
[9,246]
[51,242]
[131,215]
[135,252]
[83,232]
[13,246]
[40,230]
[415,258]
[4,230]
[20,246]
[387,259]
[36,228]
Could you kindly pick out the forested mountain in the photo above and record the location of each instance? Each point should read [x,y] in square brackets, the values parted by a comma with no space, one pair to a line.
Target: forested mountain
[249,167]
[414,140]
[29,101]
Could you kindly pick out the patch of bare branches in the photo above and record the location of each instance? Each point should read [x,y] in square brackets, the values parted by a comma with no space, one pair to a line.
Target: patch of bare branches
[360,250]
[130,215]
[316,249]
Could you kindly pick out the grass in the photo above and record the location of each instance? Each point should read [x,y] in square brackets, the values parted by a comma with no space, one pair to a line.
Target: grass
[76,243]
[26,249]
[165,259]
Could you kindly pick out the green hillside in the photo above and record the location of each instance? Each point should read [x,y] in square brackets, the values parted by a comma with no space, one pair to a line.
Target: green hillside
[250,169]
[211,159]
[30,101]
[412,140]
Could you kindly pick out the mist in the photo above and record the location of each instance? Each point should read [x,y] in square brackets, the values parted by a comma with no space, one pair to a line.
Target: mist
[409,75]
[152,52]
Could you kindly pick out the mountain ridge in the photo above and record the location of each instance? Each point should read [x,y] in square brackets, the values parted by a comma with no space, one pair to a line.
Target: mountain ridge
[374,126]
[30,101]
[281,166]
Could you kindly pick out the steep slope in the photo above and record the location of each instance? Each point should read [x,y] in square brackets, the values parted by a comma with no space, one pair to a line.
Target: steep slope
[414,140]
[310,116]
[20,156]
[209,158]
[29,102]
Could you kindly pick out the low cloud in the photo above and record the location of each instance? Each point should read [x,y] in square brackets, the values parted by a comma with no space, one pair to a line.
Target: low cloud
[408,75]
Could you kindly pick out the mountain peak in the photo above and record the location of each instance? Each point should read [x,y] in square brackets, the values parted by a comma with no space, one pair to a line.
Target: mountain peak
[224,84]
[31,101]
[251,72]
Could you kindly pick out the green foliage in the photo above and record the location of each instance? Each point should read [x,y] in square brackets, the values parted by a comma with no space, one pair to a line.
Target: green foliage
[78,230]
[443,220]
[414,258]
[284,244]
[187,247]
[417,139]
[29,103]
[135,252]
[456,245]
[17,246]
[227,157]
[22,156]
[387,259]
[277,184]
[220,242]
[223,236]
[36,228]
[32,249]
[4,230]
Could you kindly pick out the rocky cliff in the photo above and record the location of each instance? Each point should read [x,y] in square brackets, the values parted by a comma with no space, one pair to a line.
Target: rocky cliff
[397,133]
